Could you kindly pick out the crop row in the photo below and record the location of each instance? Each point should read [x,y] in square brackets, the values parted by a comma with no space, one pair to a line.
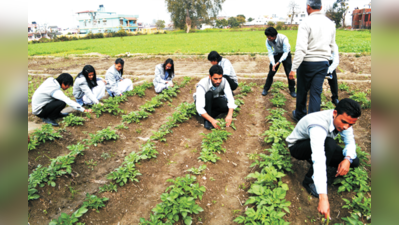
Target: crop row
[268,191]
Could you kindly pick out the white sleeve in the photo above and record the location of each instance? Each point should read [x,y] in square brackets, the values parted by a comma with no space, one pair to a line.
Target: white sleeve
[286,49]
[200,100]
[62,97]
[335,56]
[229,95]
[112,83]
[270,53]
[317,139]
[88,92]
[227,67]
[350,144]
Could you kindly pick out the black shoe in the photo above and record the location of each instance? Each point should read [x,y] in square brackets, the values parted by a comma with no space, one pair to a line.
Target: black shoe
[62,115]
[264,93]
[50,121]
[335,102]
[208,125]
[311,188]
[87,106]
[293,94]
[294,116]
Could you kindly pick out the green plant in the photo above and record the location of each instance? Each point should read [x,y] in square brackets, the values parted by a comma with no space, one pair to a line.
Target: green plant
[197,171]
[278,100]
[105,155]
[245,90]
[65,219]
[103,135]
[122,126]
[73,192]
[353,220]
[94,202]
[361,97]
[356,180]
[360,205]
[212,179]
[343,87]
[111,187]
[72,120]
[278,85]
[91,164]
[135,116]
[363,156]
[124,173]
[212,144]
[43,134]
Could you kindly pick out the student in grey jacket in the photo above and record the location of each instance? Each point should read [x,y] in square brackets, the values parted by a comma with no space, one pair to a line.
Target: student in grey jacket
[228,71]
[48,100]
[116,85]
[164,74]
[88,89]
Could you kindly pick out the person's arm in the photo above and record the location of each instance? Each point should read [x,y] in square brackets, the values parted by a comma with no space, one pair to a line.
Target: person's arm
[335,63]
[301,46]
[62,97]
[270,53]
[349,152]
[88,92]
[230,103]
[227,67]
[286,49]
[200,106]
[158,76]
[112,83]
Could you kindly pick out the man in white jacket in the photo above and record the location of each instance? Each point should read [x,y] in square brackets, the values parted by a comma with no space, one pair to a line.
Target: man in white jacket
[315,42]
[48,100]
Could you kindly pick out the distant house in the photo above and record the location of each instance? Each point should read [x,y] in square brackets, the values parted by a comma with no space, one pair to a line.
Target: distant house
[264,20]
[101,21]
[298,18]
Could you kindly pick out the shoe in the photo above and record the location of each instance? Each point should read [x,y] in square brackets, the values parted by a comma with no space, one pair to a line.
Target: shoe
[62,115]
[208,125]
[335,102]
[293,94]
[294,116]
[50,121]
[264,92]
[311,188]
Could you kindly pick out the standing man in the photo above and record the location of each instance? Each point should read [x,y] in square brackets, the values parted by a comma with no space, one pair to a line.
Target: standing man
[279,51]
[214,97]
[316,39]
[332,75]
[313,140]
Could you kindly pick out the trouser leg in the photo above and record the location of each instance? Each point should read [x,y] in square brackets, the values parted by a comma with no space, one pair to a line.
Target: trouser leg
[287,63]
[316,88]
[52,110]
[232,83]
[270,76]
[303,86]
[209,102]
[334,85]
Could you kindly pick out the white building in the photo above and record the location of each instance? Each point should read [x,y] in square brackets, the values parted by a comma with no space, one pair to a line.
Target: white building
[298,18]
[264,20]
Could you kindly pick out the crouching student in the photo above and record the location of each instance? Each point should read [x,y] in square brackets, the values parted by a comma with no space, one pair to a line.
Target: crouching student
[88,89]
[116,85]
[313,140]
[213,97]
[228,71]
[48,100]
[164,74]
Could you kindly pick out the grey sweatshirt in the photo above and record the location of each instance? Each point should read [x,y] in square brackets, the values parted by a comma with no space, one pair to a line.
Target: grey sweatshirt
[160,75]
[81,88]
[113,77]
[316,40]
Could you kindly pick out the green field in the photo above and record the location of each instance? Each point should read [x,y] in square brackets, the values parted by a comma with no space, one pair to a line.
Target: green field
[192,43]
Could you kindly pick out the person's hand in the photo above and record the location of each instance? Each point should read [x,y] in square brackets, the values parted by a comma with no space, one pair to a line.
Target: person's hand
[88,111]
[324,206]
[105,82]
[228,120]
[101,103]
[215,124]
[275,65]
[292,75]
[120,95]
[343,168]
[171,84]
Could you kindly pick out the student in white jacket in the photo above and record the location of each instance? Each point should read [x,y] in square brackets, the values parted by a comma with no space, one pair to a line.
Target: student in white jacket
[48,100]
[88,89]
[116,85]
[164,74]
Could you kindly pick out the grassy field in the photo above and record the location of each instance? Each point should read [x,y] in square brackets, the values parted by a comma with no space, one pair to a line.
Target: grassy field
[193,43]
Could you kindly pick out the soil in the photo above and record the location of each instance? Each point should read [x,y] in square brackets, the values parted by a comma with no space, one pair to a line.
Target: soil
[226,186]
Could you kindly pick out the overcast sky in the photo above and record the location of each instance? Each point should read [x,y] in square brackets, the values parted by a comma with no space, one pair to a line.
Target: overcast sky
[63,13]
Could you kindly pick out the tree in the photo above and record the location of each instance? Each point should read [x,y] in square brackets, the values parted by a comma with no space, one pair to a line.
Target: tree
[250,19]
[334,16]
[221,23]
[241,19]
[293,9]
[242,16]
[233,22]
[342,7]
[188,13]
[160,24]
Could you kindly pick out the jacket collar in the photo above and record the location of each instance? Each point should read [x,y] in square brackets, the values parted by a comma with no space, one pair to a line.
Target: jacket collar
[316,13]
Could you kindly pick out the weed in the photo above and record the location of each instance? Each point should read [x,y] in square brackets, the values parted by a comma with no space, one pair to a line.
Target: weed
[111,187]
[197,171]
[122,126]
[73,192]
[91,164]
[105,155]
[212,179]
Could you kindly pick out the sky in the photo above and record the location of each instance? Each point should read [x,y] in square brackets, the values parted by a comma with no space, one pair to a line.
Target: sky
[63,13]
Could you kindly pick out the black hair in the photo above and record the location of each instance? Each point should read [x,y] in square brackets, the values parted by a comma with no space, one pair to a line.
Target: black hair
[270,31]
[85,72]
[214,56]
[216,69]
[314,4]
[350,107]
[65,78]
[172,69]
[120,61]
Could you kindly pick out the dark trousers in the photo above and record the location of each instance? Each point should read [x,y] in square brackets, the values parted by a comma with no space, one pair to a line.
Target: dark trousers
[215,106]
[303,151]
[52,110]
[333,84]
[311,76]
[287,63]
[233,84]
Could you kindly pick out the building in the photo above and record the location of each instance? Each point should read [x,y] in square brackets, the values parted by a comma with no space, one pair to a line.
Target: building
[264,20]
[101,21]
[361,19]
[297,18]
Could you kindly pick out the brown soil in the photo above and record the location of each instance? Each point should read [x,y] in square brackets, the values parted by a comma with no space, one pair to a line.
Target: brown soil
[226,191]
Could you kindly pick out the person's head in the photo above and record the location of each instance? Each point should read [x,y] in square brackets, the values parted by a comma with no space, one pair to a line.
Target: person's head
[90,74]
[119,63]
[346,114]
[271,34]
[214,57]
[65,80]
[169,66]
[313,6]
[216,75]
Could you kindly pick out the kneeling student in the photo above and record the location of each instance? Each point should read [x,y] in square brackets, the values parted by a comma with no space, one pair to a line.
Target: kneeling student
[213,97]
[313,140]
[48,100]
[116,85]
[164,74]
[88,89]
[228,71]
